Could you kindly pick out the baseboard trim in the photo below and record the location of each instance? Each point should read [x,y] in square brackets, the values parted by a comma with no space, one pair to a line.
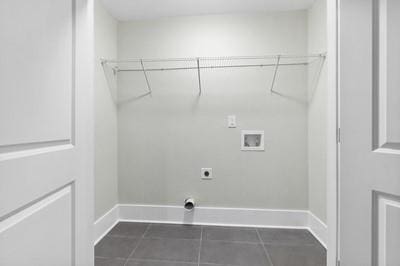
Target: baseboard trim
[301,219]
[214,216]
[105,223]
[318,228]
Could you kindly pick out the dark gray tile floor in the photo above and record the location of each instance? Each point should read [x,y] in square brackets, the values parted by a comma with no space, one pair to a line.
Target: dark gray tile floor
[142,244]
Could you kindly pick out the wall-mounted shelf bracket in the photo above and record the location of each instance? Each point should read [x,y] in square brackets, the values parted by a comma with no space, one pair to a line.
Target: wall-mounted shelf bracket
[278,59]
[198,74]
[145,76]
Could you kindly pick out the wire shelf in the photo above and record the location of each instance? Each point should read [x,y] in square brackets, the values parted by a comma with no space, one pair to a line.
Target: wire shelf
[200,64]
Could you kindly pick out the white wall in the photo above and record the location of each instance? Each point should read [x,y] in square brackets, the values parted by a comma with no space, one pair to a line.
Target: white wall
[106,181]
[164,140]
[317,113]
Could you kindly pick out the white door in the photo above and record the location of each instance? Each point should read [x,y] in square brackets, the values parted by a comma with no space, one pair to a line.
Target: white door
[45,133]
[370,126]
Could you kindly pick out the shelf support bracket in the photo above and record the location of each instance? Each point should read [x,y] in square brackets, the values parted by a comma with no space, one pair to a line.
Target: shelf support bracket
[316,77]
[198,74]
[275,73]
[145,76]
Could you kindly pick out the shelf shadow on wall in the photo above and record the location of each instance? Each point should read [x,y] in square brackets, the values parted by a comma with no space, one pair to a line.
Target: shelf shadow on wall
[134,99]
[292,98]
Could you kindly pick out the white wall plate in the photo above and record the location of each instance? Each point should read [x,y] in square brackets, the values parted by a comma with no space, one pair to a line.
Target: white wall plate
[252,140]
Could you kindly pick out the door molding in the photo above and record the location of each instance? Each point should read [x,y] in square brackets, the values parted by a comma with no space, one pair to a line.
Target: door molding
[381,203]
[384,139]
[20,138]
[333,123]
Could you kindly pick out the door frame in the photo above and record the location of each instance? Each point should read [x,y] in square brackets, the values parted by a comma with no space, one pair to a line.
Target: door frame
[333,132]
[84,81]
[333,126]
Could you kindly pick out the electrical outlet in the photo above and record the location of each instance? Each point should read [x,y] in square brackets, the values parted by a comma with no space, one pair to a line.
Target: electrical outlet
[206,173]
[231,121]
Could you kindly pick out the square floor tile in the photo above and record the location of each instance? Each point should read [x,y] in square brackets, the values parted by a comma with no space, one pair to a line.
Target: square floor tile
[297,255]
[115,247]
[109,262]
[178,245]
[126,229]
[158,263]
[230,234]
[287,237]
[182,250]
[233,253]
[176,231]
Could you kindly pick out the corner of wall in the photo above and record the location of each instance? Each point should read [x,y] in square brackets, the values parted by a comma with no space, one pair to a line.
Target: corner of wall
[106,168]
[317,118]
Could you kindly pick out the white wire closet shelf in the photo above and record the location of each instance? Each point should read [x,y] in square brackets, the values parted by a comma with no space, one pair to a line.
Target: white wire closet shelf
[199,64]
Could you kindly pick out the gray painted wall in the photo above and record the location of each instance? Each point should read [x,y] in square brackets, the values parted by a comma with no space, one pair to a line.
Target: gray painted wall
[164,140]
[317,113]
[106,181]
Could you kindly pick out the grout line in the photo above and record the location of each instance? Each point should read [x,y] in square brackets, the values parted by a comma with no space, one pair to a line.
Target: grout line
[216,264]
[122,236]
[154,237]
[201,240]
[137,245]
[292,245]
[147,229]
[264,248]
[169,261]
[112,258]
[198,239]
[233,241]
[178,262]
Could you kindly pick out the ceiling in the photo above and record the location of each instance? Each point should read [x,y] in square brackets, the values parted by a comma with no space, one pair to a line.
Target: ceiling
[151,9]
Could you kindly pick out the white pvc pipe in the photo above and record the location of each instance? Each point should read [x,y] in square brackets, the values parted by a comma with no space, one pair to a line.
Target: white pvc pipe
[189,204]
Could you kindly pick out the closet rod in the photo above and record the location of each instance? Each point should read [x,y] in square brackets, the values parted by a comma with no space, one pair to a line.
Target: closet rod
[207,67]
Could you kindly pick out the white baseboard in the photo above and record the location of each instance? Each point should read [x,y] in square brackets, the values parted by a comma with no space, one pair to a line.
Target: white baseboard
[105,223]
[215,216]
[318,229]
[211,216]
